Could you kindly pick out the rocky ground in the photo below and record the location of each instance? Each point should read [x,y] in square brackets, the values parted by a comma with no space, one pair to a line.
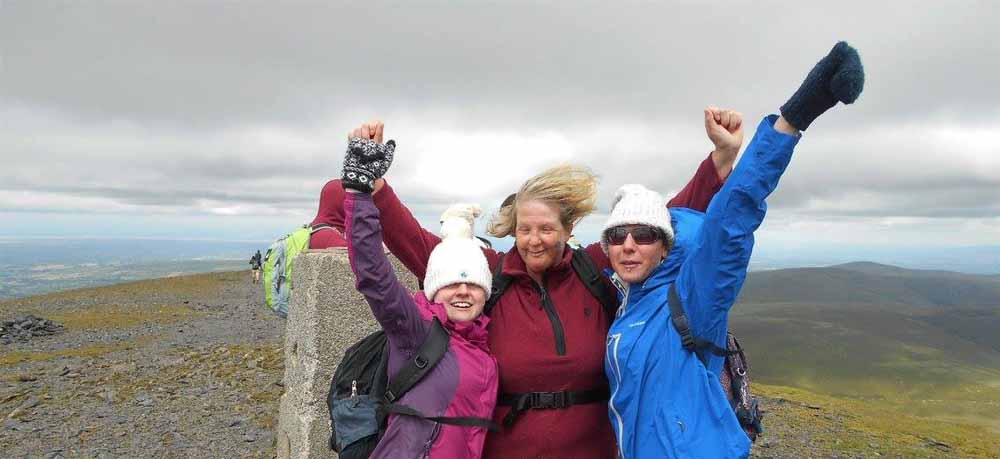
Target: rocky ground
[178,367]
[192,367]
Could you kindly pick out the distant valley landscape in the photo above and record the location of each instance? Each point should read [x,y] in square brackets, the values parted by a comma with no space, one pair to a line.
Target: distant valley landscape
[853,360]
[34,266]
[918,342]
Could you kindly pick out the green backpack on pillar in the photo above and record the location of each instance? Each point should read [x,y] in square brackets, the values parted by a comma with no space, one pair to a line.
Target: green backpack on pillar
[279,262]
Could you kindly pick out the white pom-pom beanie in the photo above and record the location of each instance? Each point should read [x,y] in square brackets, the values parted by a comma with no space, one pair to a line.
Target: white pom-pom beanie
[458,258]
[637,205]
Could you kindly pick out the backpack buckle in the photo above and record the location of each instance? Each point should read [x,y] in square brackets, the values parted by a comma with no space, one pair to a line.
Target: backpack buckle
[549,400]
[687,341]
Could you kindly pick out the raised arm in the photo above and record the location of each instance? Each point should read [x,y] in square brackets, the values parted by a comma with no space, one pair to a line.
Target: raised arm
[404,237]
[725,129]
[714,271]
[389,300]
[712,275]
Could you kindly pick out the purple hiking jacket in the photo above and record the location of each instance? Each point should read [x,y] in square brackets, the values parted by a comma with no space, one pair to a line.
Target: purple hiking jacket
[464,382]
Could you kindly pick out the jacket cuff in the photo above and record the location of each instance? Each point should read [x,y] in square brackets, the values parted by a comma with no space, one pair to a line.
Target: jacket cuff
[361,196]
[384,196]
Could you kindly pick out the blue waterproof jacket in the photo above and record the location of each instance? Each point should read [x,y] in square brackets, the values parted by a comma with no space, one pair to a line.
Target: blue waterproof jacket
[664,402]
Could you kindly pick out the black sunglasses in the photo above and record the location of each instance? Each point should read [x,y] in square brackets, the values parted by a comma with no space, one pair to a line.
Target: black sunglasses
[642,235]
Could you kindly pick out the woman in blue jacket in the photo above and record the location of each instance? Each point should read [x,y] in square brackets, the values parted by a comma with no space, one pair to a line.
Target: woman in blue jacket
[664,401]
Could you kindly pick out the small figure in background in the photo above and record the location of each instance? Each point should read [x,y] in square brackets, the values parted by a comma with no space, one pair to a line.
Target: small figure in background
[255,264]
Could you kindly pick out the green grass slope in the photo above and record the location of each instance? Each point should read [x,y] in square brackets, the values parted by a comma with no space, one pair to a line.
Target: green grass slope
[922,342]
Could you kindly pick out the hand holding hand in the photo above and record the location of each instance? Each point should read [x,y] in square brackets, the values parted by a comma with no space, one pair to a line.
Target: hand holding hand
[373,130]
[367,159]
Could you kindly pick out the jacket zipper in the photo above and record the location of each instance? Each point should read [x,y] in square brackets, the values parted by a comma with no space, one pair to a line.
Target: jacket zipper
[624,289]
[430,441]
[611,355]
[557,327]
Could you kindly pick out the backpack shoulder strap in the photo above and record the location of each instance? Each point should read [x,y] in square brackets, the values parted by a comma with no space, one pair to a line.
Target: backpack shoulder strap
[690,342]
[423,361]
[463,421]
[587,271]
[322,226]
[500,283]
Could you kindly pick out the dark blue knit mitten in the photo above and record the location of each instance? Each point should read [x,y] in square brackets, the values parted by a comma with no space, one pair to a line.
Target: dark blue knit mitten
[365,162]
[838,77]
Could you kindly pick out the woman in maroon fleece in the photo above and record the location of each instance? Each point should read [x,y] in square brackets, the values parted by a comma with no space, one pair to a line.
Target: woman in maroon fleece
[547,331]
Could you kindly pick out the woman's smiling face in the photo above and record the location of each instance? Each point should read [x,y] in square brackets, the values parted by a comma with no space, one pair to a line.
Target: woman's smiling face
[633,261]
[540,237]
[462,302]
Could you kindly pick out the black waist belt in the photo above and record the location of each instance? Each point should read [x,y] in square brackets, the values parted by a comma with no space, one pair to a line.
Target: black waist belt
[547,401]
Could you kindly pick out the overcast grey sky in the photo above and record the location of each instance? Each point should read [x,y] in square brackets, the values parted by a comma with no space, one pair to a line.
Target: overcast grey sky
[224,119]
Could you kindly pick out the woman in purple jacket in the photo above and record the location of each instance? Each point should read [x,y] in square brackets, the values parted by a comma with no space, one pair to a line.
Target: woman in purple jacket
[464,383]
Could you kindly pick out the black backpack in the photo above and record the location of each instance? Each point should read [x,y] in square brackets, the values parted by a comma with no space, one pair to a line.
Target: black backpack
[735,377]
[362,395]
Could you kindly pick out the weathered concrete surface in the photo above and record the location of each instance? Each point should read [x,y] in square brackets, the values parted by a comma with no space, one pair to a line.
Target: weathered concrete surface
[326,315]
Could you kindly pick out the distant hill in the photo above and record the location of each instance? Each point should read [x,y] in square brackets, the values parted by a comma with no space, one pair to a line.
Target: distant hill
[871,283]
[982,259]
[928,340]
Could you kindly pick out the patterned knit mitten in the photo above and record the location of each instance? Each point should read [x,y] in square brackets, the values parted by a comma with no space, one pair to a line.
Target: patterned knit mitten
[837,77]
[366,161]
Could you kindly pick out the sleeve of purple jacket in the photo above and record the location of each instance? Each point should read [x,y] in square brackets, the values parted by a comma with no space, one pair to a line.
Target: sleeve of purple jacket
[391,303]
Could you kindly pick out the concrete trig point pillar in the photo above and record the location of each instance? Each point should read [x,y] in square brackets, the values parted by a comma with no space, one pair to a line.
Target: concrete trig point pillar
[326,315]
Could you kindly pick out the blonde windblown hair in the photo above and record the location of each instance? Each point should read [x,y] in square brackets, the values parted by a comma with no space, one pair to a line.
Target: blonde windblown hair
[569,188]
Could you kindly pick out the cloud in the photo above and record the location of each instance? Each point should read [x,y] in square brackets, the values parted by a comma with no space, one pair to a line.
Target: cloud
[220,63]
[887,170]
[913,169]
[225,110]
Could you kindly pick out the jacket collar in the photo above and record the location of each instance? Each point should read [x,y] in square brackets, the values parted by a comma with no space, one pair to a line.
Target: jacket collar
[513,264]
[663,274]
